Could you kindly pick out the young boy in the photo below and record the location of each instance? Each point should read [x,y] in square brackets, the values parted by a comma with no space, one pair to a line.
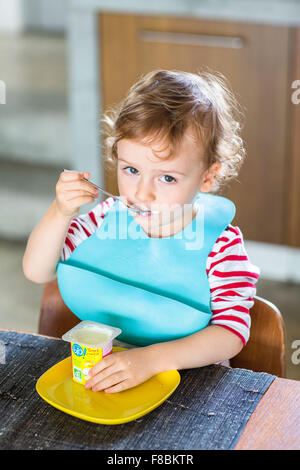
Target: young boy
[175,134]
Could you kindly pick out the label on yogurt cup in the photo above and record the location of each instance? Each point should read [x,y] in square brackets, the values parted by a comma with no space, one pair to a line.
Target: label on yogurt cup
[90,343]
[84,358]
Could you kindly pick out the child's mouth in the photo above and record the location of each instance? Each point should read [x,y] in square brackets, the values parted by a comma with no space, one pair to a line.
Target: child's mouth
[141,213]
[146,214]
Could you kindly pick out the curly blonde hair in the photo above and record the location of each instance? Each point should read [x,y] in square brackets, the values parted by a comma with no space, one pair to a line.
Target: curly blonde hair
[164,103]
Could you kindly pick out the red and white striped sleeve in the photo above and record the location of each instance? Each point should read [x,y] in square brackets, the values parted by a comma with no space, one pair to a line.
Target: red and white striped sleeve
[84,226]
[232,279]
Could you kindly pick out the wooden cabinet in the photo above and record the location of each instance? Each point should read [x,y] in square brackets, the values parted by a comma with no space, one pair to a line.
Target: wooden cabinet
[292,216]
[260,64]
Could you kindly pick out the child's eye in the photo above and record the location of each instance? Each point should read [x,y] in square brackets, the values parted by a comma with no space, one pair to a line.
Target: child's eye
[170,177]
[131,168]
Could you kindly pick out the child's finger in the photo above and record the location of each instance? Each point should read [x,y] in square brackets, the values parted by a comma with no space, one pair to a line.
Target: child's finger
[73,195]
[94,379]
[110,381]
[120,387]
[71,175]
[79,186]
[108,361]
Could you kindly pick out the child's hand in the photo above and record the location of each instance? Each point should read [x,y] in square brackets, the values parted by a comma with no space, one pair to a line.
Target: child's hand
[72,192]
[121,370]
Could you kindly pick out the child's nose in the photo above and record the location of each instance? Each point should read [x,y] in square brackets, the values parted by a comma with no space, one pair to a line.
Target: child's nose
[145,192]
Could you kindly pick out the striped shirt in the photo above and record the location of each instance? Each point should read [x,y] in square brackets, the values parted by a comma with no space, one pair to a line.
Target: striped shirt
[231,274]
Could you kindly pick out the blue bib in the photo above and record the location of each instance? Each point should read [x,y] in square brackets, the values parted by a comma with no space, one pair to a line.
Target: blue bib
[154,289]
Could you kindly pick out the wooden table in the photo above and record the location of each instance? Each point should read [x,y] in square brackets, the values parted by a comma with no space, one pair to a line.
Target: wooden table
[275,422]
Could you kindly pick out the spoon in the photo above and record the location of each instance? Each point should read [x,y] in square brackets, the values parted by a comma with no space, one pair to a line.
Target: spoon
[132,208]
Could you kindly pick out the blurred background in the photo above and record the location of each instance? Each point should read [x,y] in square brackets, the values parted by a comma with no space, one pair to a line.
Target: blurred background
[63,62]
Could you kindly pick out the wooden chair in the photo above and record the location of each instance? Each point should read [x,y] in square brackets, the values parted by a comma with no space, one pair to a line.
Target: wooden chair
[264,352]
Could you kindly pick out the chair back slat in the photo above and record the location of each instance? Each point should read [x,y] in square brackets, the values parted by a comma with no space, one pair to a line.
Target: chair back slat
[55,317]
[265,350]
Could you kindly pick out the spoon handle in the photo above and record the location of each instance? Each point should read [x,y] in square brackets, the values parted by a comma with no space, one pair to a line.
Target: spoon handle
[115,197]
[98,187]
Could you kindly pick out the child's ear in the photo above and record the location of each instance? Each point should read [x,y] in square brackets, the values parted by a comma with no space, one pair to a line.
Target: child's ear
[209,177]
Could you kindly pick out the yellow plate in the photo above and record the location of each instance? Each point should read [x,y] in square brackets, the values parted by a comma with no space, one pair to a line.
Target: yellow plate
[57,388]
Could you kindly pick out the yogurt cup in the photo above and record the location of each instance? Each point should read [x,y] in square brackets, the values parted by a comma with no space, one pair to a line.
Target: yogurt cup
[90,342]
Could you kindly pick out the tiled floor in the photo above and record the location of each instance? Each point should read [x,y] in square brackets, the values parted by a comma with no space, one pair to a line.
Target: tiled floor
[20,300]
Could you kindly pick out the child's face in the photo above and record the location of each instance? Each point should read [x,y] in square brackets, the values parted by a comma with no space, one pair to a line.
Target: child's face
[148,182]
